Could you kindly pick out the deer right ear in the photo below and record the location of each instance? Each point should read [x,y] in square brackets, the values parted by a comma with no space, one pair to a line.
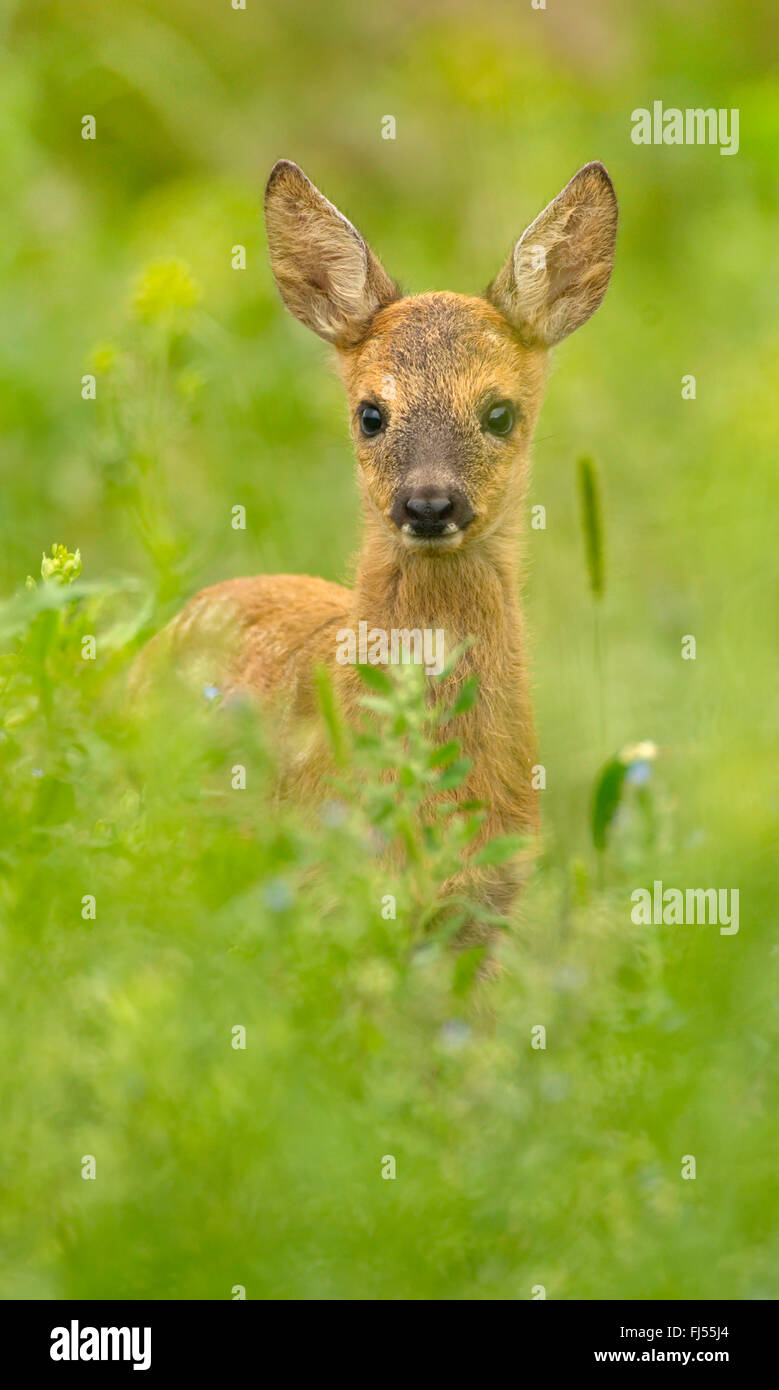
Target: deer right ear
[327,275]
[557,273]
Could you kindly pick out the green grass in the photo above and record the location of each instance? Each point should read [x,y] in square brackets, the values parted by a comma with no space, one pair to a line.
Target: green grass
[262,1167]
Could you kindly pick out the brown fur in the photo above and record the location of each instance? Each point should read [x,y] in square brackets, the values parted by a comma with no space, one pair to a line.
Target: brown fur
[434,363]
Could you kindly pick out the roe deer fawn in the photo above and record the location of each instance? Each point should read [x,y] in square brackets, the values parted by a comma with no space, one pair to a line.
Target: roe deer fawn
[444,391]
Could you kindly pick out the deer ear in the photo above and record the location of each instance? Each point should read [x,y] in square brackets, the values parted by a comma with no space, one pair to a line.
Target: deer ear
[557,273]
[327,275]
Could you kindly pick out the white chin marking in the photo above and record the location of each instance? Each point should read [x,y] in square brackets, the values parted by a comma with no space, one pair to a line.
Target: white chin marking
[448,540]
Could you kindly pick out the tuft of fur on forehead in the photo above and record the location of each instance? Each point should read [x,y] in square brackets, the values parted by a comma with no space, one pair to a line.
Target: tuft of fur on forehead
[453,347]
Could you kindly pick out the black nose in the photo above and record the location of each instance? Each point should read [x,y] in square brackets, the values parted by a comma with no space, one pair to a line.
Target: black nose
[431,511]
[425,512]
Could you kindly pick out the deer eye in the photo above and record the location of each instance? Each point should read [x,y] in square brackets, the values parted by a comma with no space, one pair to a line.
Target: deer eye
[371,419]
[499,419]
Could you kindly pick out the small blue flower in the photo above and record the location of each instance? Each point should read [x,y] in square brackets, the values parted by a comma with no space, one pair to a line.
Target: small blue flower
[556,1086]
[638,774]
[211,692]
[569,979]
[277,895]
[37,772]
[454,1034]
[650,1177]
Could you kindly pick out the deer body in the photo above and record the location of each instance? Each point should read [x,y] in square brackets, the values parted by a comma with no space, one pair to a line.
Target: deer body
[444,392]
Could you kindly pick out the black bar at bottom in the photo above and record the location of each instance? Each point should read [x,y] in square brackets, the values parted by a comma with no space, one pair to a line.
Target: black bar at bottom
[102,1341]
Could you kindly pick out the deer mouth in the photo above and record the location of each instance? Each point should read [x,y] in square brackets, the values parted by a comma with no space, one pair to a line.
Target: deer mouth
[444,535]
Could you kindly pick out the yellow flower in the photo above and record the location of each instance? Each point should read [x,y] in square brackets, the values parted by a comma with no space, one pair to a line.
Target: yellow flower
[62,566]
[639,752]
[103,357]
[165,290]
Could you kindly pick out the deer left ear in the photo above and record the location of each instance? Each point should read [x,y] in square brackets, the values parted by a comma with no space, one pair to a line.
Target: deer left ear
[558,271]
[326,273]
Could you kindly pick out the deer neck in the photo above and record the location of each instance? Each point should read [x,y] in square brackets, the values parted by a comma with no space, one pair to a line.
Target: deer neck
[466,593]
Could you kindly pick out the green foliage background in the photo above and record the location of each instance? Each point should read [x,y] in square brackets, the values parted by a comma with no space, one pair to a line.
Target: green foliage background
[262,1167]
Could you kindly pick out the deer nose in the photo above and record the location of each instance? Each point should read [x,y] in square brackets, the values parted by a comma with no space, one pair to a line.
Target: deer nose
[427,512]
[424,511]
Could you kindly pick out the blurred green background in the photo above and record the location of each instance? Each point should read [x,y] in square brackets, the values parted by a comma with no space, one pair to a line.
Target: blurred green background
[262,1168]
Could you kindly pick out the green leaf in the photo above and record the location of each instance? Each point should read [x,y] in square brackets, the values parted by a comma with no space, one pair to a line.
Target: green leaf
[377,678]
[453,775]
[19,612]
[501,849]
[606,799]
[466,968]
[589,496]
[330,713]
[444,754]
[454,657]
[379,704]
[466,698]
